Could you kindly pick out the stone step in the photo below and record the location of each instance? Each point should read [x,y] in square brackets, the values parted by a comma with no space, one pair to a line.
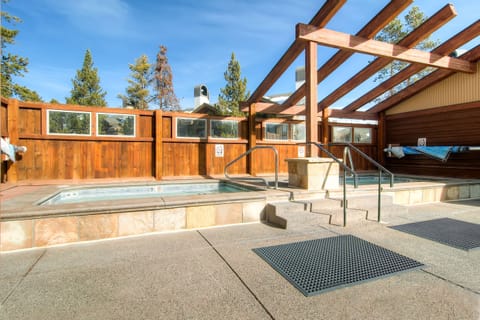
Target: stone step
[329,211]
[368,201]
[326,211]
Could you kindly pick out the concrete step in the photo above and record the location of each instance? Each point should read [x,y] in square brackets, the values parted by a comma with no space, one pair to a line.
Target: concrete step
[330,211]
[280,214]
[276,212]
[324,211]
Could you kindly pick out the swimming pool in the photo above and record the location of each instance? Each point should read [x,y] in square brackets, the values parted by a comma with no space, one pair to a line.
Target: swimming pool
[99,193]
[373,180]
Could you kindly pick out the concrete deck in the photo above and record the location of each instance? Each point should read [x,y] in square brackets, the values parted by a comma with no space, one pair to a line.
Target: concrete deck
[213,274]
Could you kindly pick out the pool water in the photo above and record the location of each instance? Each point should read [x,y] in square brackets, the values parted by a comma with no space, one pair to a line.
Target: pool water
[373,179]
[89,194]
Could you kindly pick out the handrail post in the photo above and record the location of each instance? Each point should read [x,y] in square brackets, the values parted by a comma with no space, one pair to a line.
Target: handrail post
[379,204]
[344,198]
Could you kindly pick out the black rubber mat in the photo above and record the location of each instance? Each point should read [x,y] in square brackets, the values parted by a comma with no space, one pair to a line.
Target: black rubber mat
[316,266]
[459,234]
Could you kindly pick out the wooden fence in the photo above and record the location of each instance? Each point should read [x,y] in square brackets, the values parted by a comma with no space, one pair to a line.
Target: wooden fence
[152,147]
[457,125]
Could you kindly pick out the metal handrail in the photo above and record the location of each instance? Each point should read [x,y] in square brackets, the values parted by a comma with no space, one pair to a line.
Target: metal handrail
[369,159]
[347,156]
[380,170]
[247,153]
[345,168]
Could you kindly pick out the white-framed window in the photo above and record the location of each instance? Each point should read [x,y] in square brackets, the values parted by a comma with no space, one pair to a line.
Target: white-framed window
[224,129]
[342,134]
[191,128]
[362,135]
[276,131]
[298,131]
[62,122]
[115,124]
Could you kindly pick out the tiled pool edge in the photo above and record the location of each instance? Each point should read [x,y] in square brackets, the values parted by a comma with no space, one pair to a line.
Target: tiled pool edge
[48,230]
[435,193]
[31,227]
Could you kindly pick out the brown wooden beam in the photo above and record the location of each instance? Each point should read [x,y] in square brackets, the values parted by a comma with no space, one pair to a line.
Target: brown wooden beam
[12,127]
[328,10]
[387,14]
[252,137]
[158,144]
[413,38]
[381,138]
[325,128]
[349,42]
[447,47]
[273,108]
[358,115]
[434,77]
[311,122]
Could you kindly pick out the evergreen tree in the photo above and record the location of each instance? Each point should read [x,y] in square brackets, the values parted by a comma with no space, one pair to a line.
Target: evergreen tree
[137,93]
[393,33]
[25,94]
[234,91]
[165,95]
[13,65]
[86,89]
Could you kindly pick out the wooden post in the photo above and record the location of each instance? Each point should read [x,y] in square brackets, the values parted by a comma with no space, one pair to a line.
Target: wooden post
[252,138]
[12,124]
[158,145]
[325,127]
[311,96]
[381,137]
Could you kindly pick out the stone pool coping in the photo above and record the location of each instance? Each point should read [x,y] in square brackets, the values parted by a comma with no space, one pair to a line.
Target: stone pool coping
[24,224]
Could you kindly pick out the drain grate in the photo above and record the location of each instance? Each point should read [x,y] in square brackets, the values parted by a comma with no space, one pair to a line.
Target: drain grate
[316,266]
[458,234]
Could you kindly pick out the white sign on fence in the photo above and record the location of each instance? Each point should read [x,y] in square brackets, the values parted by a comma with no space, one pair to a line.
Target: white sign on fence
[301,152]
[219,150]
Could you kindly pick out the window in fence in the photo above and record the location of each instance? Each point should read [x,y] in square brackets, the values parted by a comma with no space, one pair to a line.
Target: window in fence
[224,129]
[191,128]
[342,134]
[276,131]
[298,131]
[62,122]
[114,124]
[362,135]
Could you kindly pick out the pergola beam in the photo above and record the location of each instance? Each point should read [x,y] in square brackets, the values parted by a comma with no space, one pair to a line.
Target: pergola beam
[413,38]
[447,47]
[273,108]
[323,16]
[388,13]
[434,77]
[349,42]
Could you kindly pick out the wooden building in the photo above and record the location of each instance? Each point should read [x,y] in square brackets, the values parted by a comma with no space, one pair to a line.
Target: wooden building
[443,107]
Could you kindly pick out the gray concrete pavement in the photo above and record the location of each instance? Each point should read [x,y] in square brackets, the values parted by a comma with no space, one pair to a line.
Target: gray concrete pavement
[213,274]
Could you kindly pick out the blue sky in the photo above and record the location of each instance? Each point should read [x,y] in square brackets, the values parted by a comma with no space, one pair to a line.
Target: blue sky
[200,37]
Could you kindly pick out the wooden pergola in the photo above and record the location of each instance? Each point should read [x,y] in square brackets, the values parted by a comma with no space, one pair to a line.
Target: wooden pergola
[309,36]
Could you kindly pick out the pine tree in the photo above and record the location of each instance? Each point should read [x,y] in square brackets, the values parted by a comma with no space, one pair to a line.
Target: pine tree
[25,94]
[234,91]
[393,33]
[86,89]
[165,95]
[13,65]
[137,93]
